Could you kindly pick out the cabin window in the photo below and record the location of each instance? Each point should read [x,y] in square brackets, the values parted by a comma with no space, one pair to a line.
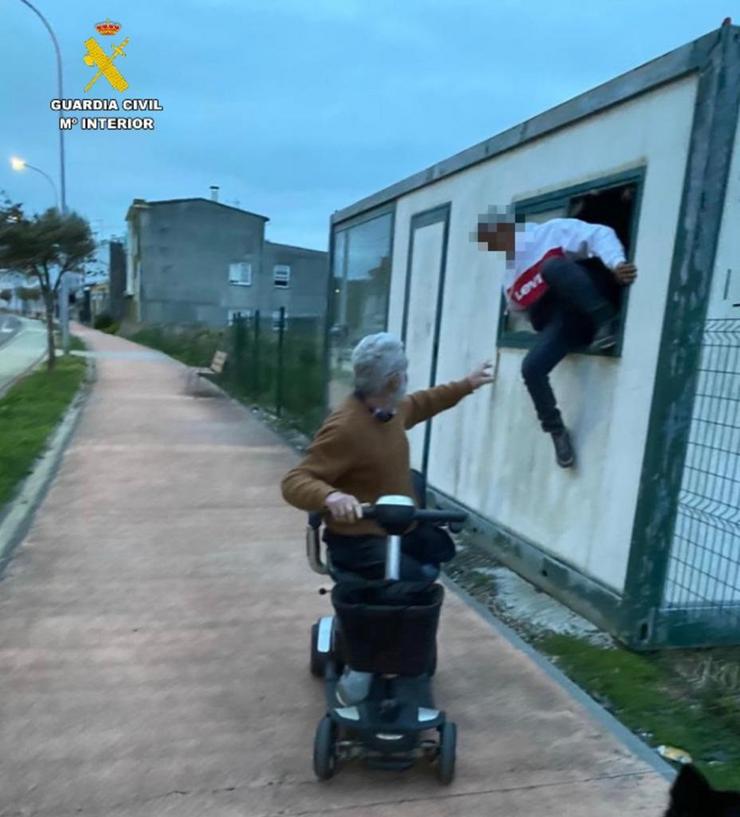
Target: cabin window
[613,201]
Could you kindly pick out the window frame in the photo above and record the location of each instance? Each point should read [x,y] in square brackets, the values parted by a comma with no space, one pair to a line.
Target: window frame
[241,282]
[562,197]
[346,226]
[286,270]
[335,229]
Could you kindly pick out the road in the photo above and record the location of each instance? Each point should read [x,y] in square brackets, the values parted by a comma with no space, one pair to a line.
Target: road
[10,325]
[22,344]
[154,644]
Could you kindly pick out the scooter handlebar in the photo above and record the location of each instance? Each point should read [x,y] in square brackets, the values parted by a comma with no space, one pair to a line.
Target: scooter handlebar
[395,516]
[420,515]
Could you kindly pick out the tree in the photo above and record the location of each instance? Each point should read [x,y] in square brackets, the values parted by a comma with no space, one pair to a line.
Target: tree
[40,245]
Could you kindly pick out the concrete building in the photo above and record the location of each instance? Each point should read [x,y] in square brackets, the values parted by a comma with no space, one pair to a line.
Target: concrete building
[198,261]
[105,282]
[117,280]
[643,537]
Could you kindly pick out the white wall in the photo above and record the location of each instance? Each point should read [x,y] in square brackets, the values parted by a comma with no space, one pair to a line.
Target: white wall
[425,275]
[726,288]
[489,453]
[705,553]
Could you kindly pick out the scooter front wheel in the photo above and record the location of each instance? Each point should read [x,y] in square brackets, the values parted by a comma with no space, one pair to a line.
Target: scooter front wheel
[324,749]
[447,753]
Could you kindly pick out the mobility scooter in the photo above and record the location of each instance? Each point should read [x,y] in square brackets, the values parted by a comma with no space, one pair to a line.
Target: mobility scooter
[387,628]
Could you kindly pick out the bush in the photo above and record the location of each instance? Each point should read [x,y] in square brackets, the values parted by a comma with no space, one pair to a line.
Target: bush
[194,346]
[103,321]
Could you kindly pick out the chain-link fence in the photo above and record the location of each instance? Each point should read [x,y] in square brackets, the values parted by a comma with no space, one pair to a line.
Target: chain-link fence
[276,362]
[703,580]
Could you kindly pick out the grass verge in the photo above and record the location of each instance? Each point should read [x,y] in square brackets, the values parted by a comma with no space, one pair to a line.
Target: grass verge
[650,697]
[29,413]
[689,699]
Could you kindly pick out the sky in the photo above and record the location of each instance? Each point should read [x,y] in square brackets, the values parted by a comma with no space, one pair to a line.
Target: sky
[298,108]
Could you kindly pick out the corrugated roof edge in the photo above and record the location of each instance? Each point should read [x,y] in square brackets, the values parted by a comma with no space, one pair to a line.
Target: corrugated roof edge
[668,68]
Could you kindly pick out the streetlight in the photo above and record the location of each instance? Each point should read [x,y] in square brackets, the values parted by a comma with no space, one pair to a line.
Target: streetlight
[21,164]
[64,302]
[60,95]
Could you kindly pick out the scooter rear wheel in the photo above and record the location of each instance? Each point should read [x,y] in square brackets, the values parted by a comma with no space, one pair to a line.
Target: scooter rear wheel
[324,749]
[447,753]
[318,659]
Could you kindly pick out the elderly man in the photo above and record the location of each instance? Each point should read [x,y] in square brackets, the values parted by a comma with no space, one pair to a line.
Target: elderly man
[361,453]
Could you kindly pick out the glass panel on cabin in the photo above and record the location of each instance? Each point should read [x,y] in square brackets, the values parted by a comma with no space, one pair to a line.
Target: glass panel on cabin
[361,286]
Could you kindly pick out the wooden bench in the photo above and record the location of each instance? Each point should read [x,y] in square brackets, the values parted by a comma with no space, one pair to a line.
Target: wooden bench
[195,374]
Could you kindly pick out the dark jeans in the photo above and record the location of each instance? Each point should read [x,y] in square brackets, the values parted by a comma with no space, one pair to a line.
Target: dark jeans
[422,551]
[565,318]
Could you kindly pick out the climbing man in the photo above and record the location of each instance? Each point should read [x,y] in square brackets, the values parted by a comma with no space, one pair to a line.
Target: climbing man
[546,279]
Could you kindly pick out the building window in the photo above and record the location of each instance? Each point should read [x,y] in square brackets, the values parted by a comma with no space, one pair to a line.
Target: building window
[613,201]
[281,276]
[240,273]
[276,320]
[240,315]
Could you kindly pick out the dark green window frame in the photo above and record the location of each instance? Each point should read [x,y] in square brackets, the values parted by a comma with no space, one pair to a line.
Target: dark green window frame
[508,339]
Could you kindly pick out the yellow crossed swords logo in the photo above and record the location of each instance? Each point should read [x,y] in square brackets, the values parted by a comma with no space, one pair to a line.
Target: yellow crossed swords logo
[104,63]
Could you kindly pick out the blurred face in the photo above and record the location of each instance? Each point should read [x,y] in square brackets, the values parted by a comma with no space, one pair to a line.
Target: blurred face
[397,385]
[497,237]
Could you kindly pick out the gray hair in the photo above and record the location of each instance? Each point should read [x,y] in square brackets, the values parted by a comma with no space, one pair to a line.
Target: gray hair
[375,359]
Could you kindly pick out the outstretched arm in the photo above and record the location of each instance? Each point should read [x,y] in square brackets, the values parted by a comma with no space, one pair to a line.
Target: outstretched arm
[423,405]
[604,243]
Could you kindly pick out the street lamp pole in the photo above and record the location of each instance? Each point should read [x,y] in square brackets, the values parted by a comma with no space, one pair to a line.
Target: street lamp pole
[63,294]
[60,95]
[21,164]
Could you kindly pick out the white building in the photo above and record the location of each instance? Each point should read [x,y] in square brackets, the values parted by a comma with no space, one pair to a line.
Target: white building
[14,282]
[643,537]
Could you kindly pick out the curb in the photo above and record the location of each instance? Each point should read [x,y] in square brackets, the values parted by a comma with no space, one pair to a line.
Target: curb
[16,520]
[616,728]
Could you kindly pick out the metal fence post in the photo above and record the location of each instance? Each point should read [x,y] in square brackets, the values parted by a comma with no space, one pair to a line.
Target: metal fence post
[280,362]
[256,361]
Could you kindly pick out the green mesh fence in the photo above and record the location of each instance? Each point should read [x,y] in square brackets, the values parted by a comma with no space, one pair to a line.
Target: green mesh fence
[277,363]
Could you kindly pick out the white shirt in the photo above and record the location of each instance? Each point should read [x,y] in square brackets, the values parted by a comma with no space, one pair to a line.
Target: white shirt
[536,243]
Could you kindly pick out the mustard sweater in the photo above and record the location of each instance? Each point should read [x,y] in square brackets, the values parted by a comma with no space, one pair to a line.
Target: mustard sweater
[356,454]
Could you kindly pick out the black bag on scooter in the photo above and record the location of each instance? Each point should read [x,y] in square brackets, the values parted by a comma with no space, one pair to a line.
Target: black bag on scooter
[388,627]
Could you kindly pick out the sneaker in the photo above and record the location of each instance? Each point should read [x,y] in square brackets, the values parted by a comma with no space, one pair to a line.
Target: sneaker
[564,453]
[606,336]
[353,687]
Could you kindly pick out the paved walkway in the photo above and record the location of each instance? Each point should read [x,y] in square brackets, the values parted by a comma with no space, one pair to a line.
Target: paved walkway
[154,644]
[25,345]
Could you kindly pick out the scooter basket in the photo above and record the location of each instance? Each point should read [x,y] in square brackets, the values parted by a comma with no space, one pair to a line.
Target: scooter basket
[388,628]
